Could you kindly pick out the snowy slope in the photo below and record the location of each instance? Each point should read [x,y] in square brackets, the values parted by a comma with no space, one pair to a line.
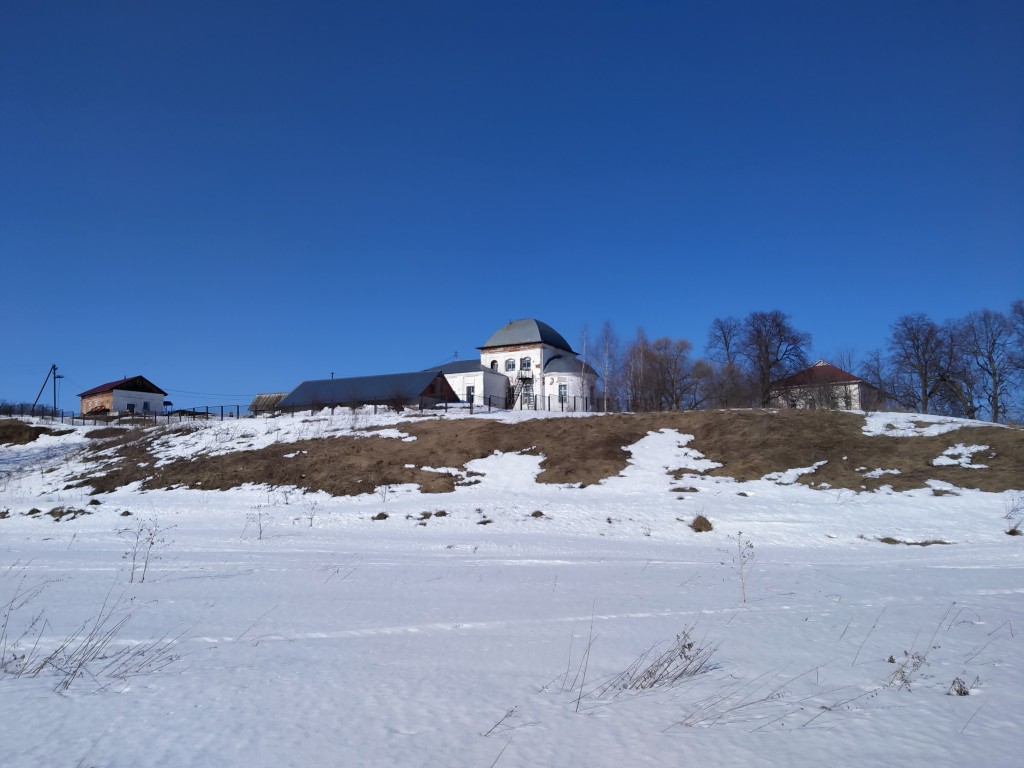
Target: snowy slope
[275,627]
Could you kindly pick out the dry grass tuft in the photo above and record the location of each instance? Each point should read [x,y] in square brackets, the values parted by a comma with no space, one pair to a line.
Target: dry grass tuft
[925,543]
[701,524]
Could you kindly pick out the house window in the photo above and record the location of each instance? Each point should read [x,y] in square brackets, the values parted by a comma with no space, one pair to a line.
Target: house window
[525,363]
[848,401]
[470,391]
[510,364]
[145,406]
[563,393]
[494,365]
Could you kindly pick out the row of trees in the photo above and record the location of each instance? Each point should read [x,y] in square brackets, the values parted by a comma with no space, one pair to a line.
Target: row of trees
[972,366]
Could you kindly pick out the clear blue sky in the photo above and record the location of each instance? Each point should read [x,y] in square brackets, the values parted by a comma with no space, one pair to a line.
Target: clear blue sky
[233,197]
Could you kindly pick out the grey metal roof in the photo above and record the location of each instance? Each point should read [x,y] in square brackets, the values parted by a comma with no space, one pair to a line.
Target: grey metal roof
[566,364]
[526,331]
[460,366]
[266,401]
[370,390]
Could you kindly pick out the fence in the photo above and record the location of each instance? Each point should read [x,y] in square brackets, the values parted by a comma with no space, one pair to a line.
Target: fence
[221,412]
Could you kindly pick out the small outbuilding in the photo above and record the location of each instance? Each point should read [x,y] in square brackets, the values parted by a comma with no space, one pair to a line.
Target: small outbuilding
[824,385]
[266,402]
[135,395]
[395,390]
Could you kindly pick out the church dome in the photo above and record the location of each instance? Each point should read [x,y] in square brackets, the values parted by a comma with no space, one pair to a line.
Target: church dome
[527,331]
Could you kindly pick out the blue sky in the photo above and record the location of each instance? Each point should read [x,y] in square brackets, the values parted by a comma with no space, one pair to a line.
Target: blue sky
[230,198]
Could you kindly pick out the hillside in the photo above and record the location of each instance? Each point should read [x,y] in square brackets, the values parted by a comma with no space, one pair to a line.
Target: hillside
[512,590]
[346,455]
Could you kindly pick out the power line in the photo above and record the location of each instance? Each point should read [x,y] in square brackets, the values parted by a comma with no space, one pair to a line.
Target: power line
[204,394]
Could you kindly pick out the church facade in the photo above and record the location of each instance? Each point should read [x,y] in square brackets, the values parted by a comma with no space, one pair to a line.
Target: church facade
[525,365]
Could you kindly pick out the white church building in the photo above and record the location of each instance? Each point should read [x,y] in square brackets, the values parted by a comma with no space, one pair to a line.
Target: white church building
[526,364]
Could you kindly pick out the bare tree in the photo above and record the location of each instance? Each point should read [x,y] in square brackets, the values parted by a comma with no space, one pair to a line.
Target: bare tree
[1017,321]
[729,385]
[606,360]
[673,374]
[772,348]
[724,340]
[659,376]
[958,379]
[988,339]
[916,351]
[637,374]
[874,372]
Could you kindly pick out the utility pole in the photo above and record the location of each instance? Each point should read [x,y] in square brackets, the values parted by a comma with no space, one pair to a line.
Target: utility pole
[55,377]
[49,373]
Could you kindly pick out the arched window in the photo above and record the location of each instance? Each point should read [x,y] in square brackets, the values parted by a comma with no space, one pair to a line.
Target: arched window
[510,364]
[494,365]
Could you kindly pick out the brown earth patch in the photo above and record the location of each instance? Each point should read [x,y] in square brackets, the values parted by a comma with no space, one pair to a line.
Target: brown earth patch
[748,444]
[17,432]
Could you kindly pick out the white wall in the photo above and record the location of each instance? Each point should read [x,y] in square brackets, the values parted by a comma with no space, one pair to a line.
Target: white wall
[808,397]
[545,386]
[122,398]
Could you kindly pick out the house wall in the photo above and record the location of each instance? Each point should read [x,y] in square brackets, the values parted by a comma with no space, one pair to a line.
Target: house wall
[104,400]
[144,402]
[545,386]
[579,391]
[538,354]
[818,397]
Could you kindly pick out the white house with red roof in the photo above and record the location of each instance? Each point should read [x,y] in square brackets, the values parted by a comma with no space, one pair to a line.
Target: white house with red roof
[823,385]
[133,395]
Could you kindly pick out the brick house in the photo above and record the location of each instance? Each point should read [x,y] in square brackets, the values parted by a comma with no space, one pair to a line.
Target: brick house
[134,395]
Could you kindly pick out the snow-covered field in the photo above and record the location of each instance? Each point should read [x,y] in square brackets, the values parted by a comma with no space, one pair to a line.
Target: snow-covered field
[272,627]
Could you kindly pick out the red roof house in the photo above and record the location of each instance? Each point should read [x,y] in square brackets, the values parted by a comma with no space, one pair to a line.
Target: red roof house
[823,385]
[136,394]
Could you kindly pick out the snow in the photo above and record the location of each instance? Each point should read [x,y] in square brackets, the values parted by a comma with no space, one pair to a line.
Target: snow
[337,639]
[916,424]
[960,455]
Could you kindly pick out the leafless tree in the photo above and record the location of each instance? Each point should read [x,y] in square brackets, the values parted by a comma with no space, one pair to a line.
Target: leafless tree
[606,361]
[988,339]
[916,353]
[874,372]
[772,348]
[729,385]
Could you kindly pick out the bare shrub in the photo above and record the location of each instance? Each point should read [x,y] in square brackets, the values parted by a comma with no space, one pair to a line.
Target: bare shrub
[741,561]
[145,540]
[258,516]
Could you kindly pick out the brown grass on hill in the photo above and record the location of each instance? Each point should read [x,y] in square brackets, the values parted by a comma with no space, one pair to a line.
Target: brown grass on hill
[17,432]
[748,444]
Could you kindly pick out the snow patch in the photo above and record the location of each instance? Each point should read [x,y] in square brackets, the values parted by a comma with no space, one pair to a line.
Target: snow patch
[960,455]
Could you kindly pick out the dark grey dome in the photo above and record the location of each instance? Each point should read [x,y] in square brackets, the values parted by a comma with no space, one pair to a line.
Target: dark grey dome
[527,331]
